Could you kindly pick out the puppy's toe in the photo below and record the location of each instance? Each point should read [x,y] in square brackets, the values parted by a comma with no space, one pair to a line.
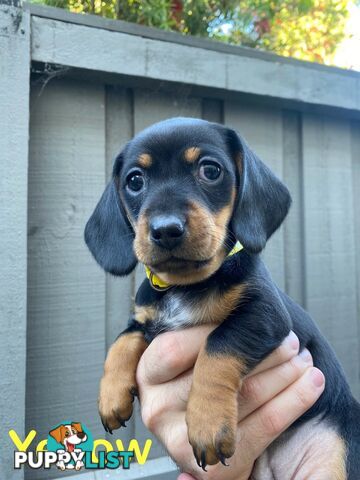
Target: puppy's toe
[211,427]
[115,402]
[211,448]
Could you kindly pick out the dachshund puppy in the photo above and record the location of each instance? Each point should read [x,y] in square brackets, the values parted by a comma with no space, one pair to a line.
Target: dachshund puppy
[196,206]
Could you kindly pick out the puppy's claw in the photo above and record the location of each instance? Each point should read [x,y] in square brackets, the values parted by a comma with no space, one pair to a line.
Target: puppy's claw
[134,392]
[203,460]
[119,419]
[221,456]
[222,460]
[196,457]
[104,425]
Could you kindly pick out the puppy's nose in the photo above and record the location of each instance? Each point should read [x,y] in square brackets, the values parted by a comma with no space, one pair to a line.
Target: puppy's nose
[81,435]
[167,231]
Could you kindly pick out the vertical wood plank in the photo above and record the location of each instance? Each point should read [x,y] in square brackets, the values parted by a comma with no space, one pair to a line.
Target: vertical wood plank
[119,291]
[355,153]
[293,227]
[262,129]
[151,107]
[66,289]
[213,110]
[329,236]
[14,128]
[119,129]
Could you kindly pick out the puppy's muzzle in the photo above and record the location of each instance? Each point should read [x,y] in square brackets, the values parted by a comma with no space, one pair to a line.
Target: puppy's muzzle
[167,231]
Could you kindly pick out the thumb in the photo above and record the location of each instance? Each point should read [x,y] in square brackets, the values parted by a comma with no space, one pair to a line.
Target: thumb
[185,476]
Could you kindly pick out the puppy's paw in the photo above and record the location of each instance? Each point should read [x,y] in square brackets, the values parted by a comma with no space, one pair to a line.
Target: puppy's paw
[116,399]
[211,428]
[212,411]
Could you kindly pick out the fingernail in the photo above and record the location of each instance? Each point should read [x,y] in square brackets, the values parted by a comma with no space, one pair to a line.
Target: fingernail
[317,377]
[292,341]
[306,357]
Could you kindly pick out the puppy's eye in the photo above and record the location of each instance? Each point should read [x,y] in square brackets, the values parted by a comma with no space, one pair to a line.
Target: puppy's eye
[135,181]
[67,434]
[209,171]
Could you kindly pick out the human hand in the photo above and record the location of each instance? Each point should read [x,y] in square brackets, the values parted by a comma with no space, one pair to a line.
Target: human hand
[272,397]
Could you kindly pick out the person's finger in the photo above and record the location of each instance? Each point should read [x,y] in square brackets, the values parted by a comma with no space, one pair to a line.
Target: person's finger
[287,350]
[171,354]
[259,389]
[157,400]
[173,434]
[185,476]
[263,426]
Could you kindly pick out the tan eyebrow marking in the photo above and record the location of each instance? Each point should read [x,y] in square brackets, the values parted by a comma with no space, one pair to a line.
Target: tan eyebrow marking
[145,160]
[192,154]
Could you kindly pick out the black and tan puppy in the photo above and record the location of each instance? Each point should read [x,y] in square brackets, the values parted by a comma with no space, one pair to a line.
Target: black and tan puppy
[183,194]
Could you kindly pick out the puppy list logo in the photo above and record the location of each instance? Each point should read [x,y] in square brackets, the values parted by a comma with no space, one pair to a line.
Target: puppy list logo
[70,446]
[70,441]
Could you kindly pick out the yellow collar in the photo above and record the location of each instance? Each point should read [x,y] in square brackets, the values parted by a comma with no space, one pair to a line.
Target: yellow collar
[160,285]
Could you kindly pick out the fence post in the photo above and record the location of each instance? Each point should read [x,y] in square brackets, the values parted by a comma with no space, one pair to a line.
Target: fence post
[14,133]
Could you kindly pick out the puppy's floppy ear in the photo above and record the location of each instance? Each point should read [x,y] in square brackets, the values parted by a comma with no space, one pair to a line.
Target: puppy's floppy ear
[58,433]
[77,426]
[108,233]
[263,200]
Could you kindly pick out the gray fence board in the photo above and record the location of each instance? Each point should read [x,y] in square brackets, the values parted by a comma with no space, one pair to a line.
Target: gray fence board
[173,37]
[213,110]
[66,291]
[74,45]
[119,291]
[355,151]
[262,129]
[293,228]
[14,120]
[329,236]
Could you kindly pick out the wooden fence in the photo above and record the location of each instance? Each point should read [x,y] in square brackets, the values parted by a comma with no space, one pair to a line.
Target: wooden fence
[73,90]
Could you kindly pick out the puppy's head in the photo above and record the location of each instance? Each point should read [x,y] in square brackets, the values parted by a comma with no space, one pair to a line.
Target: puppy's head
[181,193]
[69,435]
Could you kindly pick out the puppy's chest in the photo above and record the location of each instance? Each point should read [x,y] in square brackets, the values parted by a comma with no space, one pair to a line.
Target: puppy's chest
[180,309]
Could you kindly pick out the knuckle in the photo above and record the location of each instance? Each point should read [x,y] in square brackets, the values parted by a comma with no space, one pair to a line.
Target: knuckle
[141,374]
[171,350]
[303,398]
[151,412]
[168,355]
[271,420]
[294,365]
[289,371]
[251,390]
[147,415]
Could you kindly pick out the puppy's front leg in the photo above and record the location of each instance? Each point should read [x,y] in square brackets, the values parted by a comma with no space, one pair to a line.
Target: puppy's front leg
[230,352]
[118,384]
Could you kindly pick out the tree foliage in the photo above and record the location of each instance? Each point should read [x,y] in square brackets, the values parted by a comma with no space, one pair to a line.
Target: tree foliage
[305,29]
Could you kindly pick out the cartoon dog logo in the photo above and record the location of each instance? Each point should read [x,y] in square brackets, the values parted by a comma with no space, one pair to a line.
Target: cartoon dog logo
[70,435]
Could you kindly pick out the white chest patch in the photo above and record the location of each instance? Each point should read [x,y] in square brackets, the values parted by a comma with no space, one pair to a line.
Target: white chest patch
[175,313]
[181,309]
